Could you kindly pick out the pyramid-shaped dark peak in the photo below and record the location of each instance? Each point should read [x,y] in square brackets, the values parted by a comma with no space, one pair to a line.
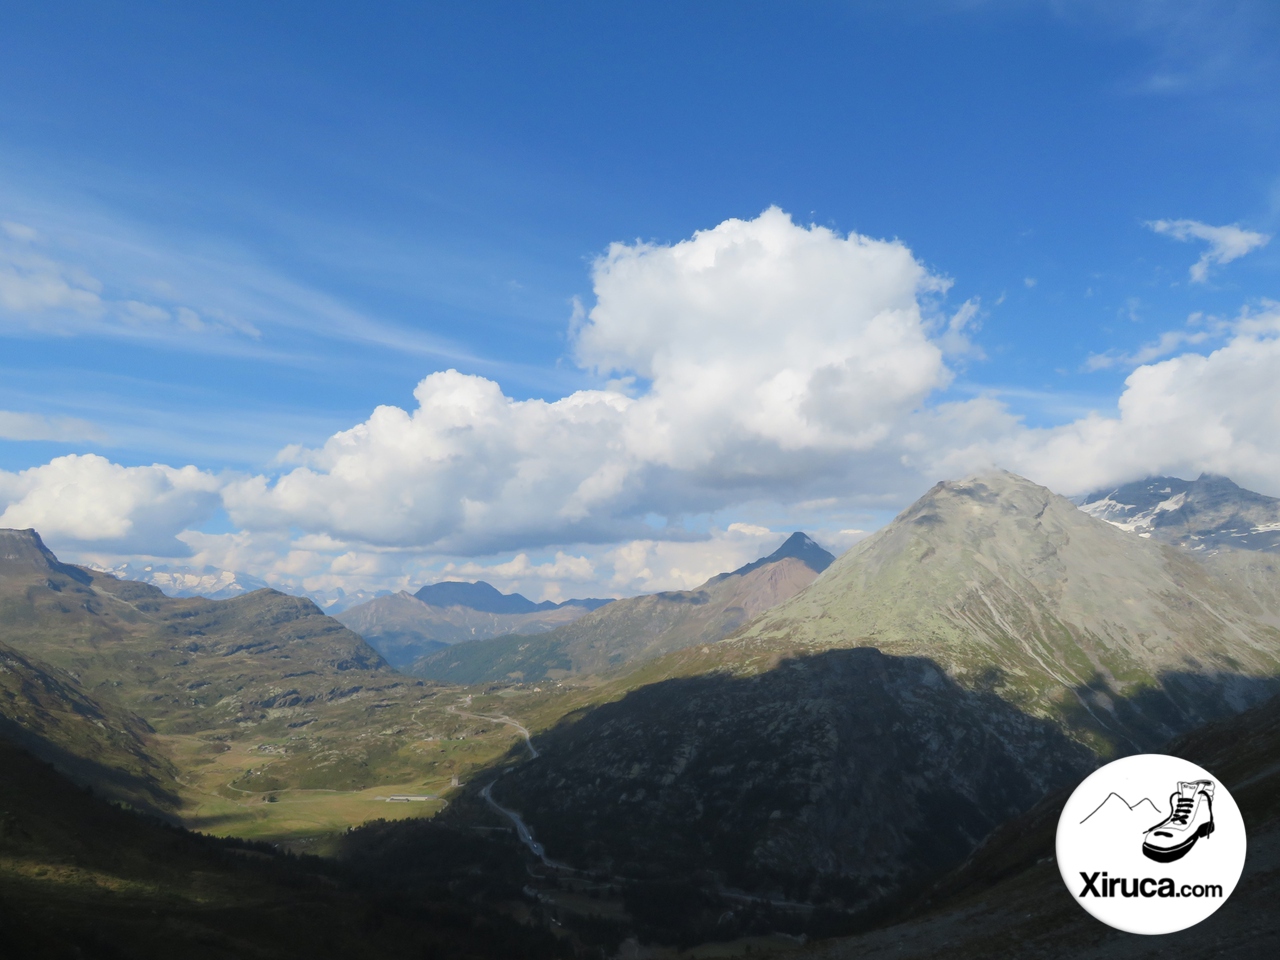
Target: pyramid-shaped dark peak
[23,553]
[475,596]
[801,547]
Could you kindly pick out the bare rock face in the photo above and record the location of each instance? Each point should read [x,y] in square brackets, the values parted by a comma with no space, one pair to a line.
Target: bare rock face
[23,556]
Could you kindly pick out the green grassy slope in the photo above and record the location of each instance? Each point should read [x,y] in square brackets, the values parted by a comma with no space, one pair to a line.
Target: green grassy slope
[94,743]
[625,631]
[80,878]
[1012,588]
[280,721]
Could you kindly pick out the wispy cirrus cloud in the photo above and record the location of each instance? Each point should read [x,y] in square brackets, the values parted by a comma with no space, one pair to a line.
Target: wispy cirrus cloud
[43,293]
[1226,243]
[35,426]
[83,271]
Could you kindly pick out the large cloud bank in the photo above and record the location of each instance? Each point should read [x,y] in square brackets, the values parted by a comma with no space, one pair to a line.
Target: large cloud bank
[1217,413]
[757,362]
[761,360]
[88,501]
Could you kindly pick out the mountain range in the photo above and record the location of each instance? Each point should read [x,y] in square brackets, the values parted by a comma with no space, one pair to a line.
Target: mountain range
[248,698]
[637,628]
[992,643]
[192,662]
[801,744]
[1207,513]
[404,627]
[1232,531]
[179,581]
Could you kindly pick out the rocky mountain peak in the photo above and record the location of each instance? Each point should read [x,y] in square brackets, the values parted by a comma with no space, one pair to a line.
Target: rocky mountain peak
[799,546]
[1207,513]
[1011,587]
[23,554]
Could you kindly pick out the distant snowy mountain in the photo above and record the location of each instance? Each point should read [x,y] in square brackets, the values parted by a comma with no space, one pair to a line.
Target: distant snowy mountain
[179,581]
[1202,514]
[337,600]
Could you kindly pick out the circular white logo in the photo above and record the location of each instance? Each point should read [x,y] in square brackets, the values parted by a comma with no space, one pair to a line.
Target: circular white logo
[1151,844]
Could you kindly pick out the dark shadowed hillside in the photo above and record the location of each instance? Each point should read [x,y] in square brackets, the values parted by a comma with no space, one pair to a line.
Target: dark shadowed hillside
[1009,900]
[843,777]
[989,645]
[81,878]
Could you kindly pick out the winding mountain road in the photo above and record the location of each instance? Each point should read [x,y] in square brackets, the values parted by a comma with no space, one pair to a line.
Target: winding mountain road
[533,751]
[522,828]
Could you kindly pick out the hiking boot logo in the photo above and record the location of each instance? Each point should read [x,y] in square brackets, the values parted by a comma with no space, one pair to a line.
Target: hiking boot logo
[1138,877]
[1190,818]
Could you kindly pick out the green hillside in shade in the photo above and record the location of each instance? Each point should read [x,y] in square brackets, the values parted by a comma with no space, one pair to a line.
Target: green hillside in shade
[95,744]
[1008,900]
[81,878]
[638,628]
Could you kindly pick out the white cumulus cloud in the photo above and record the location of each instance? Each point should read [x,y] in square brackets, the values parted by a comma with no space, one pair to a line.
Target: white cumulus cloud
[1217,412]
[773,359]
[646,566]
[754,369]
[86,501]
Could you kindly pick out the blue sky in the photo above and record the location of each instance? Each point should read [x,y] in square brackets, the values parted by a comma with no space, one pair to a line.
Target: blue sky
[345,199]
